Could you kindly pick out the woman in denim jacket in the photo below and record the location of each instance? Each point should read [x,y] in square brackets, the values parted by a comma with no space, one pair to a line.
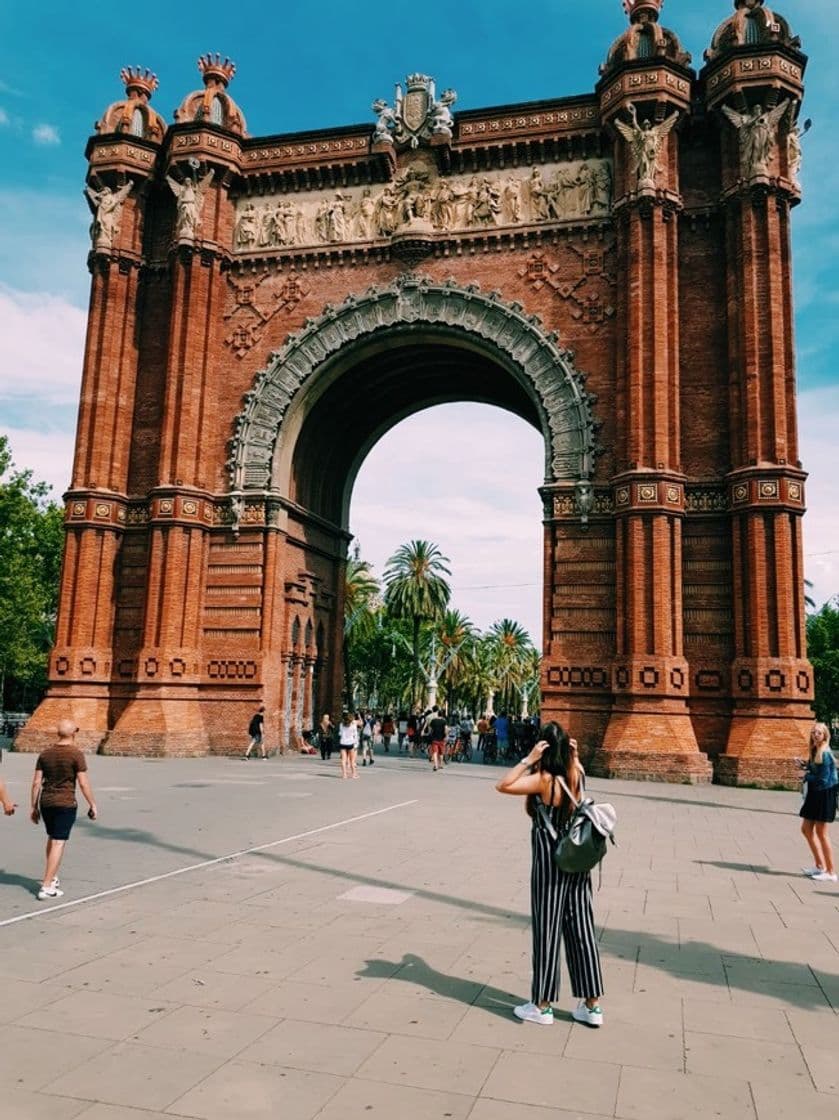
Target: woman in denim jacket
[821,783]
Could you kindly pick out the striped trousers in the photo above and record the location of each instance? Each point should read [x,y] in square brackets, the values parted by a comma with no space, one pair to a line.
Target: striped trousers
[561,908]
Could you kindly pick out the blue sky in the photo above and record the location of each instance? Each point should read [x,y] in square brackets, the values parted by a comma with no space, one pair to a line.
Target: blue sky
[315,65]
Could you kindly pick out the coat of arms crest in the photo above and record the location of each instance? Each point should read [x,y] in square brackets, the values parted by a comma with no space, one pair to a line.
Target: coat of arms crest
[416,115]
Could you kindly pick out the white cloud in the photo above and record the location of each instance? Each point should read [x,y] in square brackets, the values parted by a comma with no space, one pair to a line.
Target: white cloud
[46,134]
[4,117]
[818,417]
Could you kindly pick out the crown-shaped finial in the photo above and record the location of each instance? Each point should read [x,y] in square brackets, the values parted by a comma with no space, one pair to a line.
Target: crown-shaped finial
[634,8]
[140,79]
[214,69]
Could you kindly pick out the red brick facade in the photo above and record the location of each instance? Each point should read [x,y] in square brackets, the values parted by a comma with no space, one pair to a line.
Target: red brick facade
[254,331]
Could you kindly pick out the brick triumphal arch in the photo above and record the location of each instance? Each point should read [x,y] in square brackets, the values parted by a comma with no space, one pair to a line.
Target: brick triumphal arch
[613,267]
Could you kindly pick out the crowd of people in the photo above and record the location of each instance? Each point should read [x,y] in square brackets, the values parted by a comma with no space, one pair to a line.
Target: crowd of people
[439,735]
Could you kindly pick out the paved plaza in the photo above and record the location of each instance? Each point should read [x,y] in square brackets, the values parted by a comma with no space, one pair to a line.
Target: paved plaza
[291,945]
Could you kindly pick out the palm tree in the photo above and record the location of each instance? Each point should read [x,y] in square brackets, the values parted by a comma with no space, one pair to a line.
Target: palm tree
[415,589]
[511,646]
[455,633]
[361,590]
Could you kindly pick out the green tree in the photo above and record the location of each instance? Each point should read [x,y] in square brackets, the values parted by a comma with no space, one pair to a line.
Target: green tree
[512,651]
[415,589]
[455,638]
[31,537]
[361,591]
[823,651]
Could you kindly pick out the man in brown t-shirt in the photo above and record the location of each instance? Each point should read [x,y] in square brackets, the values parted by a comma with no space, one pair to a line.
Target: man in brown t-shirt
[54,798]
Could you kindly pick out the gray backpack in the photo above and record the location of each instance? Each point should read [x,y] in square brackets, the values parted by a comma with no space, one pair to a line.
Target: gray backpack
[583,845]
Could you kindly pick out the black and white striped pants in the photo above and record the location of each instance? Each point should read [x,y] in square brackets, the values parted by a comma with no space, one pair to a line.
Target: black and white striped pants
[562,911]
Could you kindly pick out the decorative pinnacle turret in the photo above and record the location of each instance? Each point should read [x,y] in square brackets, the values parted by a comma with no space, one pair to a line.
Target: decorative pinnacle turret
[213,69]
[139,79]
[634,9]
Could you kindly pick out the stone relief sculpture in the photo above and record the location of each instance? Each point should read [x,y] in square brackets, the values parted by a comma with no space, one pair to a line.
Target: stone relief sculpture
[421,198]
[107,208]
[190,201]
[645,141]
[757,130]
[416,115]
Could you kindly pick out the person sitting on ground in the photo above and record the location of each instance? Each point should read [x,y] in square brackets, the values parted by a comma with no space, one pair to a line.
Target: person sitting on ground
[57,770]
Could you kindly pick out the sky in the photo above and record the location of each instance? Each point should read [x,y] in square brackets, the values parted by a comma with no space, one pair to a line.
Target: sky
[59,69]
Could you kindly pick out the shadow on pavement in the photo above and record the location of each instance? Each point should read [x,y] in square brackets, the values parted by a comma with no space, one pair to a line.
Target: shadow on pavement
[697,804]
[414,970]
[757,868]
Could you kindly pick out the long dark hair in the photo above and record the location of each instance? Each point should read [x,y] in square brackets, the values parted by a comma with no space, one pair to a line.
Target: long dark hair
[556,760]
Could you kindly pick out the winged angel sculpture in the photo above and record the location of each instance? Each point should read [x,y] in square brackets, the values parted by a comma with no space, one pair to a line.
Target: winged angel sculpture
[757,130]
[189,195]
[645,140]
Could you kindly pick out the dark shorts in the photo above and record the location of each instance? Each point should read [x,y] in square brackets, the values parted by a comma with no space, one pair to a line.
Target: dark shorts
[349,747]
[820,804]
[58,821]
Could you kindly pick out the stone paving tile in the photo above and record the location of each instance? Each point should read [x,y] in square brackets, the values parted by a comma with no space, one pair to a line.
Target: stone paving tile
[497,1027]
[778,1101]
[16,1104]
[29,1059]
[206,1031]
[317,1047]
[500,1110]
[564,1082]
[750,1058]
[407,1013]
[646,1093]
[428,1064]
[204,987]
[135,1076]
[246,1091]
[120,1112]
[376,1100]
[739,1021]
[98,1015]
[19,997]
[313,1003]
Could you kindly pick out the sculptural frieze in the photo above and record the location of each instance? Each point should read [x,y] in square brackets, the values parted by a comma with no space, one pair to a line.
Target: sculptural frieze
[758,131]
[416,115]
[421,197]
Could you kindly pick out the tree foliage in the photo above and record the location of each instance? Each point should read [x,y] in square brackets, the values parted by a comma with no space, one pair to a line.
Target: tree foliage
[416,589]
[31,538]
[823,651]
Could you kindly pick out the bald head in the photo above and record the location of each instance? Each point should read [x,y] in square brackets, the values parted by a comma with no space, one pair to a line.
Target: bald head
[66,730]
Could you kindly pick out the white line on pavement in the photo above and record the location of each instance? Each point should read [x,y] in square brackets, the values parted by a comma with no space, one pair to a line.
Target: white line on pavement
[204,863]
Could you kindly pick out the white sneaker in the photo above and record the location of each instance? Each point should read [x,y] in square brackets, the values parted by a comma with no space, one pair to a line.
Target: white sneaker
[56,883]
[811,871]
[825,877]
[49,892]
[591,1016]
[530,1013]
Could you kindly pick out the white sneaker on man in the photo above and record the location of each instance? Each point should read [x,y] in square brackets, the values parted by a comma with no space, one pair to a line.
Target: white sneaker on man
[49,892]
[825,877]
[811,871]
[591,1016]
[530,1013]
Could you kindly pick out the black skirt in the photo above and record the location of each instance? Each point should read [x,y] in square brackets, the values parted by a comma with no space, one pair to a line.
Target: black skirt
[819,804]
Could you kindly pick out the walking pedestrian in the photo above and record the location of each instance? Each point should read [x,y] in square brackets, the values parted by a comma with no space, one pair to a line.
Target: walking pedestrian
[435,729]
[561,902]
[255,730]
[348,742]
[821,783]
[326,737]
[367,740]
[388,731]
[57,770]
[402,727]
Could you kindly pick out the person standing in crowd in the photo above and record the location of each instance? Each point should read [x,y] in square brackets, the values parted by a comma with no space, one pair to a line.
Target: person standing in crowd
[821,783]
[255,730]
[502,735]
[348,742]
[413,732]
[402,728]
[435,730]
[483,732]
[561,902]
[326,737]
[388,731]
[57,770]
[367,739]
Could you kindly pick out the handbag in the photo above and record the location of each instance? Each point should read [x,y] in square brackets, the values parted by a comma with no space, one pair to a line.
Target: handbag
[583,845]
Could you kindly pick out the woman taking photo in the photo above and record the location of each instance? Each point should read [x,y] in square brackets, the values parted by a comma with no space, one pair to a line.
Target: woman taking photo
[821,783]
[561,902]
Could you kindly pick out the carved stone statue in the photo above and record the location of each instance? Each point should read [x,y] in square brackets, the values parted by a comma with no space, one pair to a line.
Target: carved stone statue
[444,207]
[757,129]
[539,200]
[107,205]
[190,201]
[387,211]
[584,493]
[512,199]
[365,217]
[441,115]
[386,120]
[246,227]
[336,219]
[586,188]
[645,141]
[603,186]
